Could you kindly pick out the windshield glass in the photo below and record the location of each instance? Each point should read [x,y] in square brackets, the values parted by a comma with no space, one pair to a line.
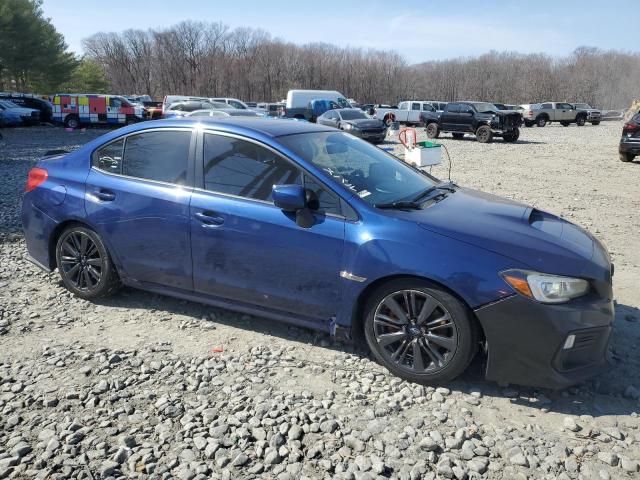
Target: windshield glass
[352,114]
[485,107]
[369,172]
[581,105]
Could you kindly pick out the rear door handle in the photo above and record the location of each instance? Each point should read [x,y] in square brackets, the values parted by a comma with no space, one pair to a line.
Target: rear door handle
[209,219]
[105,195]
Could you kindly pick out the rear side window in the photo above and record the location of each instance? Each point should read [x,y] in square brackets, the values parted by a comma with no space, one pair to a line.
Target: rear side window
[546,105]
[415,106]
[241,168]
[109,157]
[453,108]
[159,156]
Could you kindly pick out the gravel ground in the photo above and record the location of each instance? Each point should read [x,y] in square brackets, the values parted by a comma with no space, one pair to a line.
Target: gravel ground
[141,385]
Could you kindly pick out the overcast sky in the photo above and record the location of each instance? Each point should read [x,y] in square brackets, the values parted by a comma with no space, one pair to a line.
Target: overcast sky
[420,30]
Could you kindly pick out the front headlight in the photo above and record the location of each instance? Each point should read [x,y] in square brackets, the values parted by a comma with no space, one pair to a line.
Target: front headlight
[545,288]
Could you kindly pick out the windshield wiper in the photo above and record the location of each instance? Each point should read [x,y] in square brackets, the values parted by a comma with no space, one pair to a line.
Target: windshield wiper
[400,205]
[449,186]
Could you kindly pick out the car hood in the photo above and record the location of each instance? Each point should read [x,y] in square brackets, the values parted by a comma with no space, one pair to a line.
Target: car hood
[540,240]
[365,122]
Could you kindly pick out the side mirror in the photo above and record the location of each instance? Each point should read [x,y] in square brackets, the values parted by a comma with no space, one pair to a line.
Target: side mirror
[289,198]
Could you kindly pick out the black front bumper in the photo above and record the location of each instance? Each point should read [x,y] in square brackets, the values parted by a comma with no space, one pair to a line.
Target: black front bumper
[526,340]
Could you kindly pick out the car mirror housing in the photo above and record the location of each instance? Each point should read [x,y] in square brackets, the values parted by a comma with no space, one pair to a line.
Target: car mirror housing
[289,198]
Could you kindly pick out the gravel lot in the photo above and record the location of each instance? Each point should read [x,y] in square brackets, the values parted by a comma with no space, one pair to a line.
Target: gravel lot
[141,385]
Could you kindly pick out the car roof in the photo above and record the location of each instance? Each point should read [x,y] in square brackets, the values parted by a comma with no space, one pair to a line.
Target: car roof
[271,127]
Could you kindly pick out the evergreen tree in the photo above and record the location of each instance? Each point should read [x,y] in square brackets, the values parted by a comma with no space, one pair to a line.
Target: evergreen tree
[33,55]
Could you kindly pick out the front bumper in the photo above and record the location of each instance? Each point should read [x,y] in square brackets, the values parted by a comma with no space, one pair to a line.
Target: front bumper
[526,340]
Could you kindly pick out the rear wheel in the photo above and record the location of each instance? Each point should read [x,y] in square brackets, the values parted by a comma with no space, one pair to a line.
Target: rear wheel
[541,121]
[484,134]
[419,332]
[627,157]
[84,264]
[581,120]
[458,135]
[433,131]
[388,120]
[71,121]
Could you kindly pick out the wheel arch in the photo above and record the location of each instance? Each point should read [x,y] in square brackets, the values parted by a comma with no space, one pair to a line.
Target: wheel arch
[357,320]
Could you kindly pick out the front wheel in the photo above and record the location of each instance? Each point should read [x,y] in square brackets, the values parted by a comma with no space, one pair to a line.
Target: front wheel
[541,122]
[512,137]
[484,134]
[388,121]
[419,332]
[84,264]
[627,157]
[580,121]
[433,131]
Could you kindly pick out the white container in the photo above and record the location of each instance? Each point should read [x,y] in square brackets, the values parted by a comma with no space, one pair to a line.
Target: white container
[423,156]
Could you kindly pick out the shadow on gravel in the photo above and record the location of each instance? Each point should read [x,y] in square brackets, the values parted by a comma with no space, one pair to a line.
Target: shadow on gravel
[495,140]
[600,396]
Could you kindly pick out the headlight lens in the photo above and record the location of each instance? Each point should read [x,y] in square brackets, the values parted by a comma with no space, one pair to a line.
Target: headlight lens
[545,288]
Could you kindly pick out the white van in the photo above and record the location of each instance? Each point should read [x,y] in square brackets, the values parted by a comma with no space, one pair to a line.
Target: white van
[301,98]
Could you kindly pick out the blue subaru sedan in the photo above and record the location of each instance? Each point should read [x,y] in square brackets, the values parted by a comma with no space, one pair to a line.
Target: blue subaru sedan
[306,224]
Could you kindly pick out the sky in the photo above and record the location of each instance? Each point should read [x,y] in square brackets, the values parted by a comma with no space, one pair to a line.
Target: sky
[419,30]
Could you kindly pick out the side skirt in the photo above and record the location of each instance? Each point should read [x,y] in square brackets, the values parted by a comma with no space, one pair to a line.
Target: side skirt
[265,312]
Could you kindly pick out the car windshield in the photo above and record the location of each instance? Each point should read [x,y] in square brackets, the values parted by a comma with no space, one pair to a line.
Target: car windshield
[352,114]
[8,104]
[485,107]
[213,105]
[241,113]
[359,167]
[582,105]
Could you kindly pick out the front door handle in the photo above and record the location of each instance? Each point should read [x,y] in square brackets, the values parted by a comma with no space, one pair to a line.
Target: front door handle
[209,219]
[105,195]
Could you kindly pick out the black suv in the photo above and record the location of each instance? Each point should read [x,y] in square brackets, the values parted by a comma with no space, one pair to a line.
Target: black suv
[630,140]
[482,119]
[27,101]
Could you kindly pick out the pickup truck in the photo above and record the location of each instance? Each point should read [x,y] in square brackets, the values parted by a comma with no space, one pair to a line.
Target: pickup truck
[594,116]
[541,114]
[407,112]
[482,119]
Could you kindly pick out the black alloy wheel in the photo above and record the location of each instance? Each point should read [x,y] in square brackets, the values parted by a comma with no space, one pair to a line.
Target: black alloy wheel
[84,264]
[419,332]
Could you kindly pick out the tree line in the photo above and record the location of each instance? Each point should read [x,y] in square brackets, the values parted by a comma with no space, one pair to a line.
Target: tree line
[211,59]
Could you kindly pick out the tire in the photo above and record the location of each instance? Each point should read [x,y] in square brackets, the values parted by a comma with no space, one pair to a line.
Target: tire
[433,131]
[484,134]
[71,121]
[512,137]
[84,265]
[405,344]
[627,157]
[529,124]
[388,120]
[458,136]
[541,121]
[597,122]
[581,120]
[565,124]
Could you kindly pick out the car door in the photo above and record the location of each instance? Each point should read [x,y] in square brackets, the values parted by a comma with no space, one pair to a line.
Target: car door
[249,251]
[465,118]
[565,112]
[137,198]
[414,113]
[449,117]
